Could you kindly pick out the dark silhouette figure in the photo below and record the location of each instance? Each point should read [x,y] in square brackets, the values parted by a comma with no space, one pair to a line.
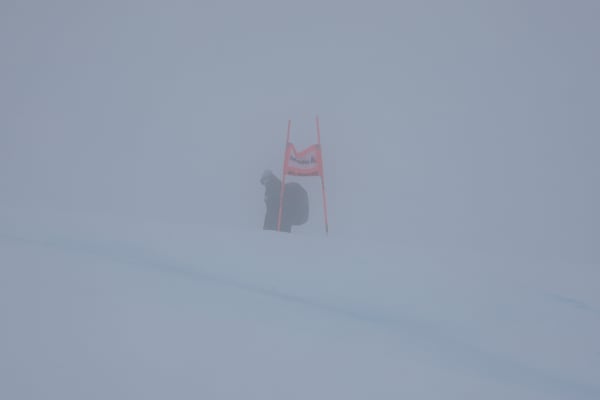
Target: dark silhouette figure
[295,203]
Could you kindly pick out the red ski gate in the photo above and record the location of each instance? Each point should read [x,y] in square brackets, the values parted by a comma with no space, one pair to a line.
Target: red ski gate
[308,162]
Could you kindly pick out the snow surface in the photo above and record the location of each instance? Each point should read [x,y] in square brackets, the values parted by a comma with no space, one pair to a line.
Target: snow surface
[172,311]
[460,143]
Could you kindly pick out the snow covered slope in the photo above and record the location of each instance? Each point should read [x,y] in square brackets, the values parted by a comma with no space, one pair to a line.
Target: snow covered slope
[95,308]
[460,144]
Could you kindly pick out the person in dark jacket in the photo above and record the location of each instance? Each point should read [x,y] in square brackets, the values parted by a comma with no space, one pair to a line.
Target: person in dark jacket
[295,203]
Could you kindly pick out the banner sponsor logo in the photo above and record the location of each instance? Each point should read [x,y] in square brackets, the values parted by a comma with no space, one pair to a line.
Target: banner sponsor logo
[306,162]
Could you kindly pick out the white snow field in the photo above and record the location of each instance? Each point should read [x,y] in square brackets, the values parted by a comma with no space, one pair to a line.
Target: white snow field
[460,151]
[97,308]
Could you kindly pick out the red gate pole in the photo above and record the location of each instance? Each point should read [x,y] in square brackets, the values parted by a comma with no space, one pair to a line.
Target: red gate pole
[285,160]
[322,177]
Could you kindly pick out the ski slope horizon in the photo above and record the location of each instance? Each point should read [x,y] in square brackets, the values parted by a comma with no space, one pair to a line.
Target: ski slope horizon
[99,307]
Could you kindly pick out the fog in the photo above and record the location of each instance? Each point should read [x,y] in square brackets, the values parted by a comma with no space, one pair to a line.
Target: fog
[467,124]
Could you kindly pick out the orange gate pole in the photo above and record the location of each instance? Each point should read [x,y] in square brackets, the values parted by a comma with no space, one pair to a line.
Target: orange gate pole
[281,193]
[322,177]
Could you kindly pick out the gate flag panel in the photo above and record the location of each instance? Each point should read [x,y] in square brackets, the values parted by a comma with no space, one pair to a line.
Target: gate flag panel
[308,162]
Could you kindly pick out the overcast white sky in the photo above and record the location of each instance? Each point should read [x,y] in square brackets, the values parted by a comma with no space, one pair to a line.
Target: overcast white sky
[462,122]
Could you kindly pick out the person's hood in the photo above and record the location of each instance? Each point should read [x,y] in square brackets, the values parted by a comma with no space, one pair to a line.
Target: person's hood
[267,176]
